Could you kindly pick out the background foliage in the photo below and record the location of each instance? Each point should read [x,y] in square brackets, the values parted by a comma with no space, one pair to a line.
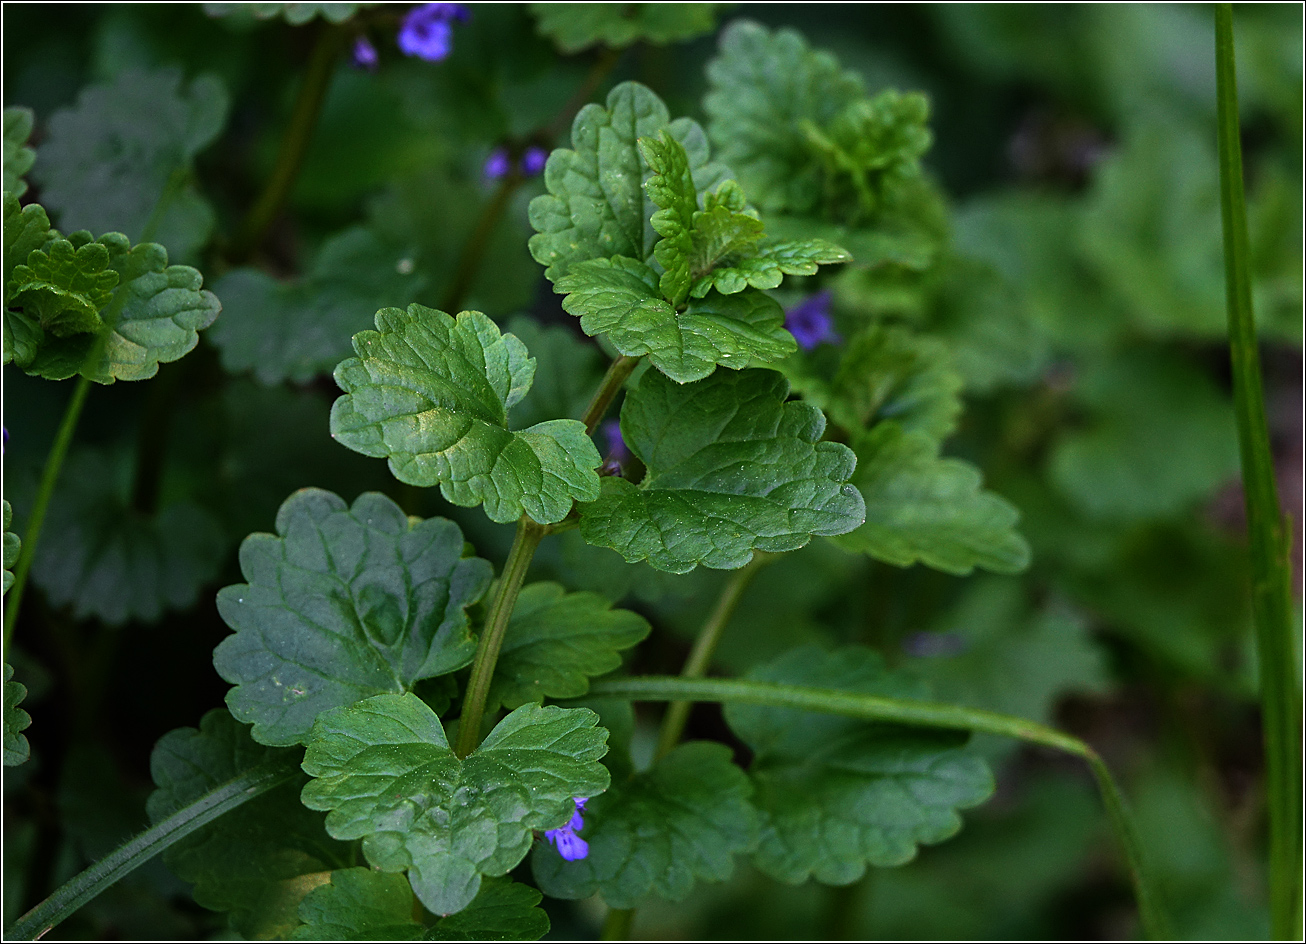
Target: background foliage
[1067,291]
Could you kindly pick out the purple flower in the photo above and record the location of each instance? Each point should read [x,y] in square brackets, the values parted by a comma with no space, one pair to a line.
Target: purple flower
[497,165]
[617,450]
[533,161]
[427,31]
[570,846]
[365,56]
[810,323]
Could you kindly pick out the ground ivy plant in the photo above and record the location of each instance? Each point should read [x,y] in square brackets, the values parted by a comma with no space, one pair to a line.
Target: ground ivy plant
[429,729]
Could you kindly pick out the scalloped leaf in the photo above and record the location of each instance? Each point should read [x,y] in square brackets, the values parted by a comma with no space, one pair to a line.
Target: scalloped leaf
[731,468]
[432,394]
[12,546]
[568,369]
[120,158]
[105,559]
[836,794]
[556,641]
[386,773]
[16,721]
[577,26]
[365,905]
[65,286]
[297,330]
[659,831]
[343,603]
[622,299]
[921,507]
[257,862]
[296,14]
[18,157]
[596,206]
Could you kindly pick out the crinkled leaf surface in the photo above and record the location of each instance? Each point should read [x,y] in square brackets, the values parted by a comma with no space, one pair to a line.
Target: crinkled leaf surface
[622,299]
[256,862]
[121,157]
[153,318]
[343,603]
[568,369]
[884,373]
[16,721]
[731,468]
[12,546]
[596,206]
[296,14]
[432,394]
[65,286]
[18,157]
[763,86]
[772,262]
[836,794]
[105,559]
[659,831]
[577,26]
[921,507]
[385,771]
[26,228]
[366,905]
[556,641]
[671,188]
[300,329]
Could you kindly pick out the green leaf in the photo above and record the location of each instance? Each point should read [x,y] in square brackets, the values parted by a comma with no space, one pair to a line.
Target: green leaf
[65,287]
[762,87]
[120,159]
[343,603]
[926,508]
[153,318]
[770,265]
[256,862]
[836,794]
[432,394]
[26,228]
[731,468]
[596,206]
[297,330]
[365,905]
[577,26]
[16,749]
[18,157]
[385,771]
[556,641]
[106,559]
[622,299]
[568,369]
[884,373]
[671,188]
[296,14]
[12,546]
[659,831]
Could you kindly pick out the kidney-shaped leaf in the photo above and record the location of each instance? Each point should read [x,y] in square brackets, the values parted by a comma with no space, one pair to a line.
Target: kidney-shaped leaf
[432,394]
[731,468]
[343,603]
[386,773]
[836,794]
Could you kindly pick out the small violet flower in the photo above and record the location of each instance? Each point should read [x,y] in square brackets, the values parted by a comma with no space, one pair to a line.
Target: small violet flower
[617,453]
[533,161]
[570,846]
[427,31]
[810,322]
[497,165]
[365,56]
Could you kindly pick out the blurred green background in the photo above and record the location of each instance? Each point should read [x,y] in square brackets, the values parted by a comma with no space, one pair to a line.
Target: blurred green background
[1081,292]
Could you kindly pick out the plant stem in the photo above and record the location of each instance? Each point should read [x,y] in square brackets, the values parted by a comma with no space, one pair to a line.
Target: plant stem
[49,477]
[528,537]
[619,372]
[1281,697]
[142,847]
[921,713]
[618,923]
[303,120]
[469,260]
[700,657]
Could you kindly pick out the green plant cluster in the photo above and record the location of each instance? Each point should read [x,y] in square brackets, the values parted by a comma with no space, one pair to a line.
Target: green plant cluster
[762,376]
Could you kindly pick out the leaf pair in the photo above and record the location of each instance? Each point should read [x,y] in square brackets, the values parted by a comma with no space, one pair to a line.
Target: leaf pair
[102,308]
